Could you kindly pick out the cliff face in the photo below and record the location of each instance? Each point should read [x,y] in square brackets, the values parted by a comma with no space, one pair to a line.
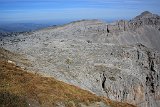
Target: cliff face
[142,29]
[19,88]
[139,82]
[117,60]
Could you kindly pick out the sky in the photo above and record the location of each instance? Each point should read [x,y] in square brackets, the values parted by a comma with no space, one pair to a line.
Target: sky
[54,10]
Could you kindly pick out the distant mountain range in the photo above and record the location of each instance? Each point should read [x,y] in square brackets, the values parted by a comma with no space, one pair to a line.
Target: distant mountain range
[21,27]
[119,60]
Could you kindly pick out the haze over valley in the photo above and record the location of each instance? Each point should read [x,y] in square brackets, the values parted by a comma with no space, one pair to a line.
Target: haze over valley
[80,53]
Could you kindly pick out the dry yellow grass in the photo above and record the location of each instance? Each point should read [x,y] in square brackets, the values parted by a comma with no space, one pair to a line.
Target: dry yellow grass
[7,55]
[19,88]
[15,82]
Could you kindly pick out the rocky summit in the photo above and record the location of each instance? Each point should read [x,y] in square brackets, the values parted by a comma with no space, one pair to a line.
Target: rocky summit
[120,60]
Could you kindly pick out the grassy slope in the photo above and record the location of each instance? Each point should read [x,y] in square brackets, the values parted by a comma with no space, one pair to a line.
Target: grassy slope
[19,88]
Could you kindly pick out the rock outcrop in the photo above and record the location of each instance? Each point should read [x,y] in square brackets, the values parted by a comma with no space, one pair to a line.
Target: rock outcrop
[142,29]
[120,61]
[19,88]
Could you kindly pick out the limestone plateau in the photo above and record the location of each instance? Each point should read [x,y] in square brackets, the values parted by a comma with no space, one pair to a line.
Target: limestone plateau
[120,60]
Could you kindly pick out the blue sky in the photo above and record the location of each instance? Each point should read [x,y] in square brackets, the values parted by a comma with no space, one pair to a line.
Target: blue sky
[52,10]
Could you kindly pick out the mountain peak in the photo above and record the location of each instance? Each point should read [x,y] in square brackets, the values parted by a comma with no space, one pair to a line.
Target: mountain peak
[145,14]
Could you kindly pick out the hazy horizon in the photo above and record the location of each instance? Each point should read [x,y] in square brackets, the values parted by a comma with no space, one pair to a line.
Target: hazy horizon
[62,11]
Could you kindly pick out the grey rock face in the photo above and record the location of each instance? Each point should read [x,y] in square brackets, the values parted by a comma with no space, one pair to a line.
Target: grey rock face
[142,29]
[113,60]
[143,79]
[98,104]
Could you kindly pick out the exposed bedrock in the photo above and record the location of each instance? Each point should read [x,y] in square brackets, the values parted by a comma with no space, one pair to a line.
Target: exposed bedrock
[117,60]
[140,85]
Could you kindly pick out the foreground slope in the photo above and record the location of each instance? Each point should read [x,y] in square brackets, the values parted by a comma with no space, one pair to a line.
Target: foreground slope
[19,88]
[118,60]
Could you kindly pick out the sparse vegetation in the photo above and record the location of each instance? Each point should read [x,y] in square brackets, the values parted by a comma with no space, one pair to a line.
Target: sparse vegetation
[112,78]
[68,61]
[20,88]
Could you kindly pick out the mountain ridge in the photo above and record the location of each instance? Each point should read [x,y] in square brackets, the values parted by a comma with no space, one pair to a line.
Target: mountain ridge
[120,61]
[146,14]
